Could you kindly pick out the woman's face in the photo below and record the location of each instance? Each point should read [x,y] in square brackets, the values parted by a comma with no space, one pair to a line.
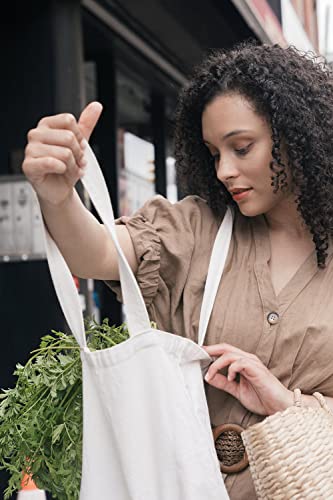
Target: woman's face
[240,142]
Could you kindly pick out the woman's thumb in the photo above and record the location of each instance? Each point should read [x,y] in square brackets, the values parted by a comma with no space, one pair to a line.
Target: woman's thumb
[89,117]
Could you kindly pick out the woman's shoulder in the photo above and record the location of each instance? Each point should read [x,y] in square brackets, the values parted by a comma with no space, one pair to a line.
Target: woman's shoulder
[191,210]
[187,203]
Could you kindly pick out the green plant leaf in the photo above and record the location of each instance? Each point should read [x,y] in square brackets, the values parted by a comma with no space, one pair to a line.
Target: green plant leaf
[57,433]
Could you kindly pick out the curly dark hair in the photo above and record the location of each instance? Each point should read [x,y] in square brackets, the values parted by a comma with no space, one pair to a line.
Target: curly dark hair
[293,91]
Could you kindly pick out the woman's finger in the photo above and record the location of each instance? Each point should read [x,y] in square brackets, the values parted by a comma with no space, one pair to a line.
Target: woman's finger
[219,349]
[246,366]
[222,362]
[62,121]
[89,117]
[221,382]
[66,155]
[37,168]
[52,137]
[216,349]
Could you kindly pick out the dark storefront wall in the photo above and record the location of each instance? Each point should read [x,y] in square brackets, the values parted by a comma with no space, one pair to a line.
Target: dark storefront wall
[34,62]
[181,31]
[136,97]
[44,46]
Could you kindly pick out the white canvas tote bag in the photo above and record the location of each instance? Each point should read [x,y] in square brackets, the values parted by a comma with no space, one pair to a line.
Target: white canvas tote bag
[146,428]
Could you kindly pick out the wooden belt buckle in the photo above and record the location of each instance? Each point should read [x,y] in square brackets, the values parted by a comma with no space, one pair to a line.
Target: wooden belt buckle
[230,448]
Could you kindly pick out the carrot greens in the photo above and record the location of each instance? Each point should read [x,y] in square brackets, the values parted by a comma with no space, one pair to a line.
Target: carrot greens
[41,417]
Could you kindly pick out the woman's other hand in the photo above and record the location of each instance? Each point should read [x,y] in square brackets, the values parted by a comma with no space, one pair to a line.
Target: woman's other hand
[255,387]
[53,160]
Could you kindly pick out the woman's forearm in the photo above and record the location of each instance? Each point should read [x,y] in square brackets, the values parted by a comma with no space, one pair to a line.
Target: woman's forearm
[82,240]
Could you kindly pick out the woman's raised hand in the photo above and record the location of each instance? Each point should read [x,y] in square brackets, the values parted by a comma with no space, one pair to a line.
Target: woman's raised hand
[53,160]
[257,388]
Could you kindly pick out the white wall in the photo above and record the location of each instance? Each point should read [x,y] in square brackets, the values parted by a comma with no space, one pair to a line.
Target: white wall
[292,27]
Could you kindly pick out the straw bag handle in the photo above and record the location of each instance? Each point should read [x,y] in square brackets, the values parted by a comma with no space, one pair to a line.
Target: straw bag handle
[319,397]
[136,312]
[322,401]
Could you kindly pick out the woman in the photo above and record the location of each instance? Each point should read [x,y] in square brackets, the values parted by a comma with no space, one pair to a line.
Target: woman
[254,130]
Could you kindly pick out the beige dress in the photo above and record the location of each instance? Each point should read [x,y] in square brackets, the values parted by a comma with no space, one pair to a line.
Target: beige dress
[173,244]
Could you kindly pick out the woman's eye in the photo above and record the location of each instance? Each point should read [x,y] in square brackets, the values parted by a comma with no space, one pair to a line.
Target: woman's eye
[216,157]
[243,151]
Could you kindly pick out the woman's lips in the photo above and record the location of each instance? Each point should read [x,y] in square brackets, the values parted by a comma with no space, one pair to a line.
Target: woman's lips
[242,195]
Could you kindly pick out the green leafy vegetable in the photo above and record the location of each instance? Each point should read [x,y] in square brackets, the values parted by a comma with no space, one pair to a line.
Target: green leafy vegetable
[41,417]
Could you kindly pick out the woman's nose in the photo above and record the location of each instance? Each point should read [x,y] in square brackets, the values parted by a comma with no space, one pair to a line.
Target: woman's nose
[226,169]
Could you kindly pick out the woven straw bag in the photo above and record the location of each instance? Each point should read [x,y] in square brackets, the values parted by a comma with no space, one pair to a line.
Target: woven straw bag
[291,453]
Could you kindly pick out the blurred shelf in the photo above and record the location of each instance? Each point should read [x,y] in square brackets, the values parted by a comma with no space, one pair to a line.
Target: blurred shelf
[21,257]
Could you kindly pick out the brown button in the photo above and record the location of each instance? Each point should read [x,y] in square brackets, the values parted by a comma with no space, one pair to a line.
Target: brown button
[273,318]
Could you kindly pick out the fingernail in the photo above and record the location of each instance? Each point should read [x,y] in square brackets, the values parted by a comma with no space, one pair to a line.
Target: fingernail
[83,144]
[207,377]
[83,162]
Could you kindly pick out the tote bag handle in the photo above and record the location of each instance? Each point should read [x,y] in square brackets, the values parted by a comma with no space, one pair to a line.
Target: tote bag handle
[136,312]
[215,270]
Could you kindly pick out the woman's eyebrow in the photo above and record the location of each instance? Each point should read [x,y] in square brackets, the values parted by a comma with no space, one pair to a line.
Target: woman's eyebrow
[235,132]
[230,134]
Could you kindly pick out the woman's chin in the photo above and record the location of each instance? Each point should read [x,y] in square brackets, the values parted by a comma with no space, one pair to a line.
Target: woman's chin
[249,211]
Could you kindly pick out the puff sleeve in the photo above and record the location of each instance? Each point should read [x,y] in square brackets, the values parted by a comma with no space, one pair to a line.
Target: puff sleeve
[164,236]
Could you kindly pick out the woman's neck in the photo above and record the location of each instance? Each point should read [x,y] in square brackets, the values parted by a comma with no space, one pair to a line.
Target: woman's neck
[285,219]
